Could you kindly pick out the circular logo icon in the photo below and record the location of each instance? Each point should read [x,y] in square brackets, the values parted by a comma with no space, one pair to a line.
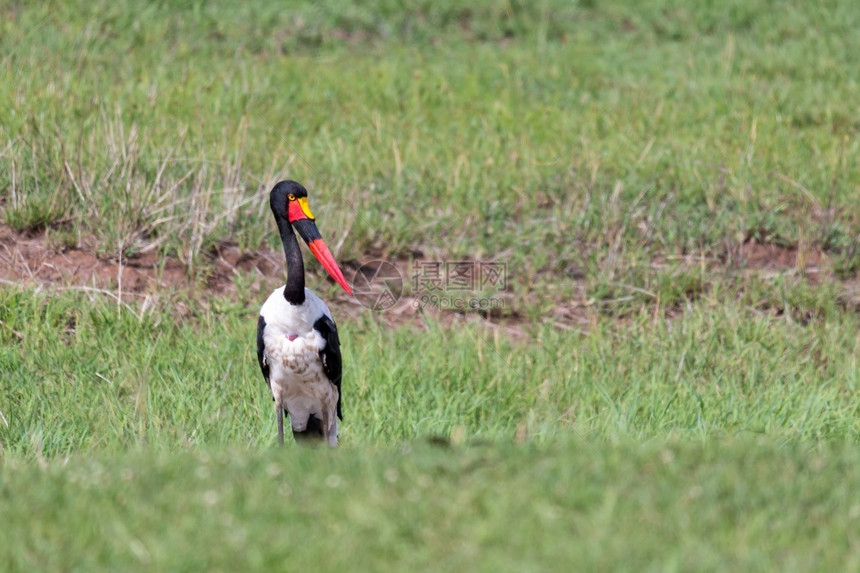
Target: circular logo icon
[377,285]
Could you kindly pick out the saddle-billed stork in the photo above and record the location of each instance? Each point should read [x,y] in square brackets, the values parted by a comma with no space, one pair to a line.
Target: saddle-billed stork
[297,344]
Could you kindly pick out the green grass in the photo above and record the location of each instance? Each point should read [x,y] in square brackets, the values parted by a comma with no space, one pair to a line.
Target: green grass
[82,378]
[701,416]
[677,506]
[537,127]
[717,441]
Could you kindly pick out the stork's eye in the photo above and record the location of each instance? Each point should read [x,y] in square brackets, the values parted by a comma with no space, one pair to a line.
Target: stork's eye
[291,197]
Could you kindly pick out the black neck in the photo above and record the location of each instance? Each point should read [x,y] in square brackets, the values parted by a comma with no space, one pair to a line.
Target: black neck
[294,291]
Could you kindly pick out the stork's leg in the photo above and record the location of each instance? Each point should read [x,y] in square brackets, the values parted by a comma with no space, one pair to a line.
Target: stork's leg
[280,414]
[329,428]
[332,434]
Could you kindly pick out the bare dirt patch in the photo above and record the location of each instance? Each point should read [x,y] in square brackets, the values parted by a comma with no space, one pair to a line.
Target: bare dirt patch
[27,259]
[755,256]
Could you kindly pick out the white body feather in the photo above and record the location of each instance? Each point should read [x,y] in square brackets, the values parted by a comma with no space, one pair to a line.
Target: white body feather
[296,374]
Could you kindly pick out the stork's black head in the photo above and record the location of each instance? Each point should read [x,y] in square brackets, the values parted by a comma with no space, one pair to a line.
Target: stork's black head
[285,193]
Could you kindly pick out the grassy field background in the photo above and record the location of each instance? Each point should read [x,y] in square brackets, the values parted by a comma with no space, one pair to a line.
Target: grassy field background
[699,412]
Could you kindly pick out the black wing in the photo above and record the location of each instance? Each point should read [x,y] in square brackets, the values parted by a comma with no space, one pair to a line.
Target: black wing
[330,355]
[261,350]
